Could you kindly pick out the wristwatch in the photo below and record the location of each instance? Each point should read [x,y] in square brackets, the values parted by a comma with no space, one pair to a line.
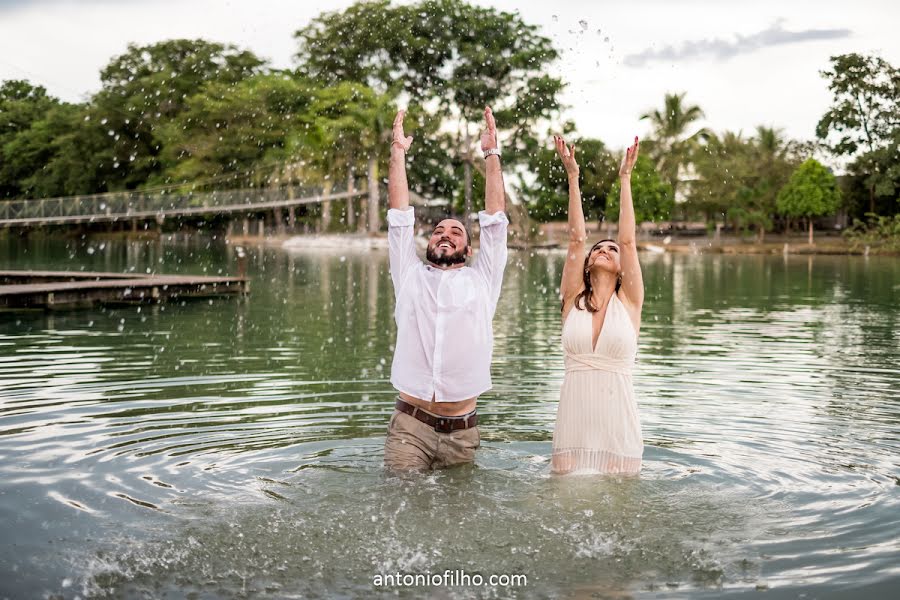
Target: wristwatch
[491,152]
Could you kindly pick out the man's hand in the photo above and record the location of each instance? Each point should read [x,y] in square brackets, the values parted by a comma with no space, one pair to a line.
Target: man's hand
[489,137]
[629,159]
[567,156]
[399,139]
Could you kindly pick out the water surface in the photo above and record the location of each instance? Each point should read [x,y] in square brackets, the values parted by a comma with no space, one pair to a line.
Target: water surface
[233,448]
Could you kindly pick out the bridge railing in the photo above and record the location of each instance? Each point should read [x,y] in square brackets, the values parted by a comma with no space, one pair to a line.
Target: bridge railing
[126,204]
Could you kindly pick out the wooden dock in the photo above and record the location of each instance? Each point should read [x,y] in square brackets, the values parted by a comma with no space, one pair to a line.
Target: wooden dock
[72,289]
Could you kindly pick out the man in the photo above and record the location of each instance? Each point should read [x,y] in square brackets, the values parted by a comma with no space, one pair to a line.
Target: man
[444,309]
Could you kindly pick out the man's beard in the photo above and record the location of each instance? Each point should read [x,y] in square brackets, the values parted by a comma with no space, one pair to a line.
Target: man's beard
[445,260]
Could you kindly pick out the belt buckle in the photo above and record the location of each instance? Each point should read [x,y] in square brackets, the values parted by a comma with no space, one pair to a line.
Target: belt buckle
[443,425]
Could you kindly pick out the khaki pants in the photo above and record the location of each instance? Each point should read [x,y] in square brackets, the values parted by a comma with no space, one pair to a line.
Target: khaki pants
[411,445]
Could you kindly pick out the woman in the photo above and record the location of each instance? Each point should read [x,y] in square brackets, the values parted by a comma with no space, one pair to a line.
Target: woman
[597,425]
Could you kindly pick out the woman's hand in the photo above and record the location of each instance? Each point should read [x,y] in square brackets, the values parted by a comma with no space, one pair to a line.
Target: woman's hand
[629,159]
[567,156]
[399,139]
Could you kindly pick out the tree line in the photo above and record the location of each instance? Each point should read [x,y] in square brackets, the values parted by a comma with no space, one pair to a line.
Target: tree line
[193,114]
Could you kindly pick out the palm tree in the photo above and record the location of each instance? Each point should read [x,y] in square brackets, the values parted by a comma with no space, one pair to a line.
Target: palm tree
[774,161]
[671,147]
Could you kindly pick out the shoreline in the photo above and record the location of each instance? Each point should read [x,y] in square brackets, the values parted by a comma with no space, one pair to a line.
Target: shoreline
[549,238]
[796,245]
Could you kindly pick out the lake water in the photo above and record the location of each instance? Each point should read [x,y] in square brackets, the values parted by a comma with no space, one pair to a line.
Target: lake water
[233,448]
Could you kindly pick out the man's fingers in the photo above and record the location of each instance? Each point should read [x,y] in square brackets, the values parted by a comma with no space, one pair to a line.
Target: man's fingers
[489,119]
[398,122]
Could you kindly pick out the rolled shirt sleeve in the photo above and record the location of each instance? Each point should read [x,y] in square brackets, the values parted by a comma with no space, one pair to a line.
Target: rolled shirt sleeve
[492,254]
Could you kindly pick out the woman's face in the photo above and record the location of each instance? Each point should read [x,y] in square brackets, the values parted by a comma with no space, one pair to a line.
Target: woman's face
[605,255]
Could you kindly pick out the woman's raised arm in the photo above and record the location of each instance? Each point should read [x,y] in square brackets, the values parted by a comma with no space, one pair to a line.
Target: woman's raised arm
[632,279]
[572,277]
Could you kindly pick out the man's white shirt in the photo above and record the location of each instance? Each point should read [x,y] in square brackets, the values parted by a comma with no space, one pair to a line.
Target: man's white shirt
[444,335]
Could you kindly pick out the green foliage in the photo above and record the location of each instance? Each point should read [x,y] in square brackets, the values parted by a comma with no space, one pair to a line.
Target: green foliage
[451,58]
[879,171]
[226,129]
[147,87]
[863,123]
[350,123]
[653,199]
[671,147]
[198,112]
[548,196]
[50,148]
[811,192]
[879,231]
[865,103]
[739,178]
[21,105]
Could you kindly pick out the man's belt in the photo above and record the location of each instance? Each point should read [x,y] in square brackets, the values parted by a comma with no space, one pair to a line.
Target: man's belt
[439,424]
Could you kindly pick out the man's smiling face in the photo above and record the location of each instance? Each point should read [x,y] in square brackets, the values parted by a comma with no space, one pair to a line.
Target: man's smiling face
[449,244]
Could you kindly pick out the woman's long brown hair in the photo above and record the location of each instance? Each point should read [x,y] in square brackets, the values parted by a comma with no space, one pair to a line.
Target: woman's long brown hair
[585,298]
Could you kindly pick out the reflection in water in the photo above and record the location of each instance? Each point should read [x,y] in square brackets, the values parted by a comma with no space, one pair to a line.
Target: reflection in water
[234,447]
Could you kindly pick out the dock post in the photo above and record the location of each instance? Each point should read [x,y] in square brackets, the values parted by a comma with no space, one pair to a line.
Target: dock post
[242,261]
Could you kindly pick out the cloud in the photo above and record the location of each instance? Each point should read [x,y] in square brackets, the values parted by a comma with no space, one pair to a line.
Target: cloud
[9,6]
[721,49]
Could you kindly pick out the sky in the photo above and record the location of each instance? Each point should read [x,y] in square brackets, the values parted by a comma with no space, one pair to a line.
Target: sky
[744,63]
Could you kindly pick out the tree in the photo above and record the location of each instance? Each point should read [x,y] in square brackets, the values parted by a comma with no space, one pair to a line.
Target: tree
[21,105]
[653,198]
[671,147]
[48,147]
[352,124]
[547,197]
[863,122]
[811,192]
[147,87]
[226,131]
[451,58]
[739,178]
[721,185]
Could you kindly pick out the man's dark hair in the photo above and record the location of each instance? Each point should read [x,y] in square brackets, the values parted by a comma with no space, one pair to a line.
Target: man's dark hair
[457,257]
[465,224]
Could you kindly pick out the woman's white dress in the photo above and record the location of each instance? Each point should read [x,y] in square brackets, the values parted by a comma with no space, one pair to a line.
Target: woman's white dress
[597,424]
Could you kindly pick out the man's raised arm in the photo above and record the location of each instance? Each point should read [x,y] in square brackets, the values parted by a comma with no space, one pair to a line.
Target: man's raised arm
[400,217]
[398,188]
[494,195]
[492,253]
